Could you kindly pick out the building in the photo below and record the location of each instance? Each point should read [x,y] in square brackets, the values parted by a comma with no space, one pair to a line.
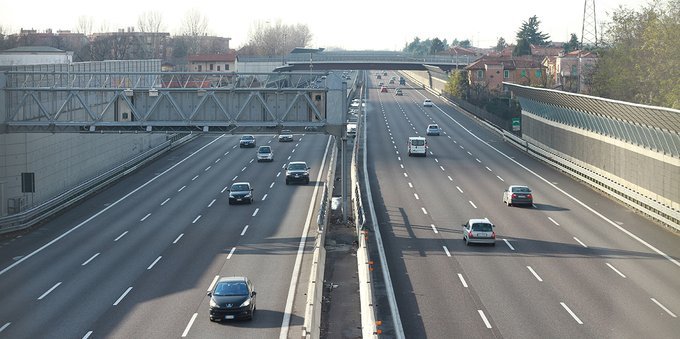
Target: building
[491,71]
[571,71]
[212,62]
[34,55]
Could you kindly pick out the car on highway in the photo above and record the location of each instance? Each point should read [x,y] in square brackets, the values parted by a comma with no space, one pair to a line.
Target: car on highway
[264,153]
[286,135]
[297,171]
[399,92]
[417,146]
[383,89]
[391,82]
[479,231]
[246,141]
[378,76]
[381,84]
[433,129]
[518,195]
[232,298]
[240,193]
[427,103]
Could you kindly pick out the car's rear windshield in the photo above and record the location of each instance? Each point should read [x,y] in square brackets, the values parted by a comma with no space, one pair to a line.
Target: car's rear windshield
[418,142]
[247,137]
[265,149]
[296,167]
[231,288]
[285,131]
[239,187]
[433,126]
[521,189]
[481,227]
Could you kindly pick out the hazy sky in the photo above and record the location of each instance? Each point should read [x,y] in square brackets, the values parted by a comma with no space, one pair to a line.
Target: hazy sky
[349,24]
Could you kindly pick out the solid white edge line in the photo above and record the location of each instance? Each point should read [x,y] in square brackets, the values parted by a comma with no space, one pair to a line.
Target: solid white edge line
[448,254]
[212,284]
[462,280]
[154,262]
[122,296]
[664,308]
[244,230]
[191,322]
[231,253]
[434,229]
[615,270]
[88,260]
[592,210]
[121,235]
[573,315]
[580,242]
[49,291]
[285,323]
[486,321]
[4,326]
[535,274]
[87,335]
[178,237]
[508,243]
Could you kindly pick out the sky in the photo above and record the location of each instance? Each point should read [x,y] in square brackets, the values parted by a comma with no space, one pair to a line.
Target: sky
[346,24]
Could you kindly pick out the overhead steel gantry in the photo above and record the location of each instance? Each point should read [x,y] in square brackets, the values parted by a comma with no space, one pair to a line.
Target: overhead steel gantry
[161,101]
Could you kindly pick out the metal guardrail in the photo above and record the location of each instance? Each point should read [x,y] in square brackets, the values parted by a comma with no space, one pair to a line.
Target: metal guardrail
[69,197]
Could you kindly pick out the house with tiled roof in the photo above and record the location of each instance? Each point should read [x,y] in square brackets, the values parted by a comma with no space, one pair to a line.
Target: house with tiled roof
[573,69]
[223,62]
[491,71]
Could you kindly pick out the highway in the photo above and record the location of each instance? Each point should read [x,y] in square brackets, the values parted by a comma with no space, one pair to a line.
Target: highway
[573,265]
[136,259]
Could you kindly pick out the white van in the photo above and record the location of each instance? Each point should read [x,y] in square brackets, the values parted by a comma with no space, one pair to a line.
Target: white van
[417,146]
[351,129]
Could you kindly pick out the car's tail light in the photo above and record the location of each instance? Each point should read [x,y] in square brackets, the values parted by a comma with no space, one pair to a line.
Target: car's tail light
[470,235]
[529,196]
[514,195]
[493,235]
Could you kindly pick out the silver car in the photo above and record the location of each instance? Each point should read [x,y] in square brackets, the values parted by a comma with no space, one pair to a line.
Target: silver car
[479,231]
[518,195]
[433,129]
[264,153]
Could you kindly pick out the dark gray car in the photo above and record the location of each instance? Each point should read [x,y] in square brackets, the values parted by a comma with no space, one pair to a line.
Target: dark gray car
[518,195]
[240,193]
[232,298]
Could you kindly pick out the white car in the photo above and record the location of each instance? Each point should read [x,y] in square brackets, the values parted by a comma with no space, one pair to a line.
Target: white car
[427,103]
[286,135]
[479,231]
[264,153]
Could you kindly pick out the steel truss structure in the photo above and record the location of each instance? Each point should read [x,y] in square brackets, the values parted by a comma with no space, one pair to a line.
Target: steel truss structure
[161,101]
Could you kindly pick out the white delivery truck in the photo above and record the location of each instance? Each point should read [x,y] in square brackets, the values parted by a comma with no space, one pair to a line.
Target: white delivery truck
[417,146]
[351,129]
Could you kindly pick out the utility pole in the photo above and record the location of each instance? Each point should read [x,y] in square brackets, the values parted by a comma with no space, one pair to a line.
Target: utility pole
[588,36]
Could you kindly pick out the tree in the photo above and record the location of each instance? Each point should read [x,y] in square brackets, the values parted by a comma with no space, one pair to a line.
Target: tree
[151,22]
[522,48]
[84,25]
[500,45]
[529,32]
[458,85]
[194,27]
[436,46]
[572,45]
[276,39]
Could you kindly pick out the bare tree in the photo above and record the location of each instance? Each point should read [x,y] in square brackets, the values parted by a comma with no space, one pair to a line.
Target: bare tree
[194,26]
[151,22]
[276,38]
[84,25]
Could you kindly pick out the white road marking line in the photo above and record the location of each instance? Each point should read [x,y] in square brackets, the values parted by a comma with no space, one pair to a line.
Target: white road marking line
[462,280]
[449,136]
[91,258]
[154,262]
[395,146]
[431,153]
[468,152]
[508,243]
[298,144]
[194,178]
[207,168]
[253,159]
[178,237]
[410,185]
[288,158]
[146,216]
[226,153]
[615,270]
[553,221]
[165,201]
[272,185]
[580,242]
[472,203]
[49,291]
[424,210]
[405,174]
[256,210]
[87,335]
[459,190]
[218,160]
[122,296]
[212,202]
[434,229]
[180,190]
[455,142]
[450,179]
[486,321]
[499,178]
[278,174]
[226,187]
[120,236]
[284,165]
[397,152]
[191,322]
[399,158]
[461,146]
[293,151]
[436,160]
[243,169]
[416,195]
[664,308]
[4,326]
[534,273]
[488,168]
[448,254]
[231,253]
[233,147]
[402,166]
[195,220]
[442,168]
[264,197]
[572,313]
[244,230]
[212,284]
[479,161]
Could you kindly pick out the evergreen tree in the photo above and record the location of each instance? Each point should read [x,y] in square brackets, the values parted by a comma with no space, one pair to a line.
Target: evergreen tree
[529,32]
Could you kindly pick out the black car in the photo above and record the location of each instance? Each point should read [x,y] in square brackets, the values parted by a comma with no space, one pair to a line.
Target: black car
[247,141]
[232,298]
[240,193]
[297,171]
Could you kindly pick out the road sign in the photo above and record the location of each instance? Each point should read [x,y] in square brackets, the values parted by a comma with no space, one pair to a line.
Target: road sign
[515,124]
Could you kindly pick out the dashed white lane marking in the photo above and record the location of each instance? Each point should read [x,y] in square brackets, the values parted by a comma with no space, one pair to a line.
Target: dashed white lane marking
[233,147]
[278,174]
[508,243]
[264,197]
[472,203]
[479,161]
[231,253]
[194,178]
[615,270]
[461,146]
[272,185]
[399,158]
[416,195]
[499,178]
[410,185]
[195,220]
[212,284]
[468,152]
[120,236]
[436,160]
[488,168]
[165,201]
[459,190]
[450,179]
[234,179]
[49,291]
[462,280]
[154,262]
[243,169]
[580,242]
[253,159]
[448,254]
[293,151]
[534,273]
[87,335]
[664,308]
[553,221]
[212,202]
[442,168]
[434,229]
[289,157]
[244,230]
[208,168]
[4,326]
[486,321]
[191,322]
[122,296]
[256,210]
[226,187]
[573,315]
[178,237]
[218,160]
[88,260]
[406,174]
[226,153]
[402,166]
[424,210]
[180,190]
[146,216]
